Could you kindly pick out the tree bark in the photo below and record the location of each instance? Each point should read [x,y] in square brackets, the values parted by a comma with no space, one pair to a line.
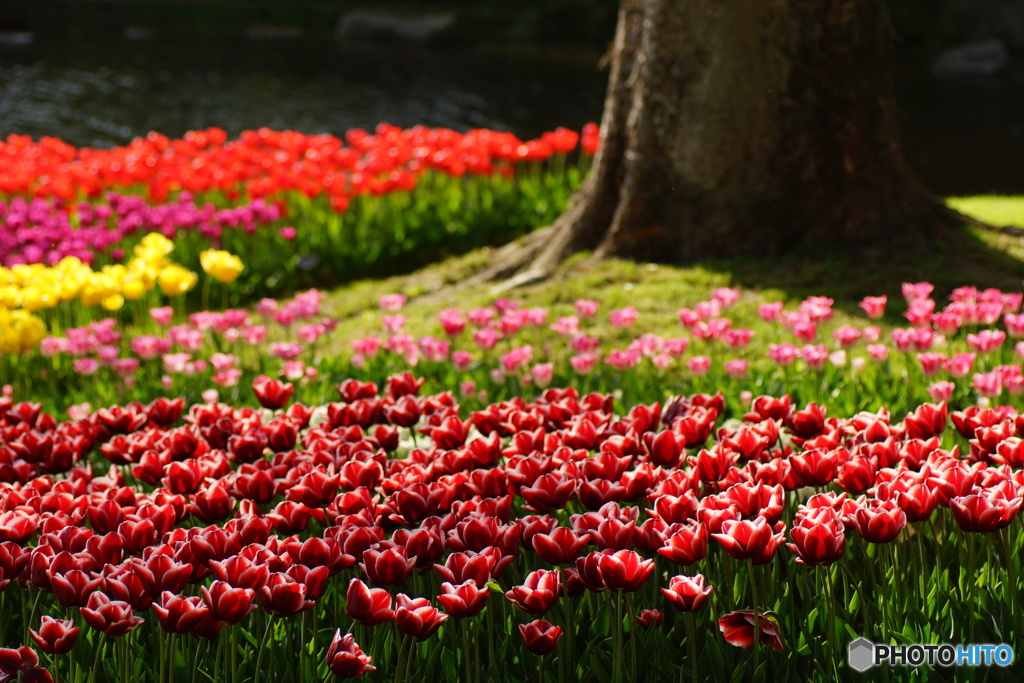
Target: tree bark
[743,127]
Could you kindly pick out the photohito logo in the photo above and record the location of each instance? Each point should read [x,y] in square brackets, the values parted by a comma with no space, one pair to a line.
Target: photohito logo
[862,654]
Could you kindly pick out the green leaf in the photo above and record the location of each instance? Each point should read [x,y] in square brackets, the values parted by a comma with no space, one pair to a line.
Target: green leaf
[448,665]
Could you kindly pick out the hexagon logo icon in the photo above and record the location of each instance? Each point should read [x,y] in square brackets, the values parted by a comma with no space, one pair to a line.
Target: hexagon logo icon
[861,654]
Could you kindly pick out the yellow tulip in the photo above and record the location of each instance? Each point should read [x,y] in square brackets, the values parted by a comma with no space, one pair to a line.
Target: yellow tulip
[132,288]
[10,296]
[31,331]
[154,247]
[36,298]
[175,280]
[221,265]
[112,302]
[10,339]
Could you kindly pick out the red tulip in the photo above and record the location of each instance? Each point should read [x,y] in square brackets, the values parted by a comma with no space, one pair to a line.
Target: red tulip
[676,509]
[712,466]
[686,594]
[666,448]
[240,572]
[650,618]
[403,384]
[685,543]
[389,567]
[561,546]
[818,537]
[55,636]
[123,582]
[228,604]
[614,534]
[405,412]
[749,540]
[416,618]
[738,629]
[368,606]
[549,492]
[183,477]
[179,614]
[540,637]
[857,474]
[464,600]
[273,394]
[74,588]
[316,489]
[469,566]
[346,659]
[879,521]
[165,411]
[22,664]
[927,421]
[113,617]
[538,593]
[816,467]
[981,514]
[283,596]
[624,570]
[161,573]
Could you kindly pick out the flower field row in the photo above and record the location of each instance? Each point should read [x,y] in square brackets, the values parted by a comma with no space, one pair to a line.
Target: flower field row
[614,544]
[47,231]
[264,163]
[960,353]
[298,209]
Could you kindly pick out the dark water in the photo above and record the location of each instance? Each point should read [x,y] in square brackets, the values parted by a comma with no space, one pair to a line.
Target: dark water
[963,136]
[105,94]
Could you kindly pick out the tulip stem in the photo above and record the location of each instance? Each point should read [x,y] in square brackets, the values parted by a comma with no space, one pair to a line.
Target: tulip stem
[631,610]
[970,585]
[96,660]
[476,655]
[489,616]
[195,663]
[234,652]
[160,655]
[570,632]
[465,649]
[617,615]
[1011,574]
[263,646]
[413,647]
[832,617]
[691,634]
[170,659]
[216,658]
[400,658]
[757,622]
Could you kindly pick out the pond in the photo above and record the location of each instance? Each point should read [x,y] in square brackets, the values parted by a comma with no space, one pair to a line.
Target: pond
[963,136]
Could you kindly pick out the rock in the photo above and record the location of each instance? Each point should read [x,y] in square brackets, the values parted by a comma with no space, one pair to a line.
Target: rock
[986,19]
[982,58]
[388,26]
[138,33]
[271,32]
[16,38]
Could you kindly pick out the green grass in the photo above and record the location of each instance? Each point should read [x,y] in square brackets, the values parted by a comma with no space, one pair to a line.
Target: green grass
[982,258]
[995,210]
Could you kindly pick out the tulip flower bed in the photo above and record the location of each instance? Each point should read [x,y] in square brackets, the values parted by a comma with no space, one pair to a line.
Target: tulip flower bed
[298,209]
[401,537]
[731,342]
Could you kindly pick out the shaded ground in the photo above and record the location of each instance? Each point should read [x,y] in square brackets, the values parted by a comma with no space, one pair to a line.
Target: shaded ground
[982,259]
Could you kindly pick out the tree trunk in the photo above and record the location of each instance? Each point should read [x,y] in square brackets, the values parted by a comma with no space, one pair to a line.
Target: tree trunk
[749,126]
